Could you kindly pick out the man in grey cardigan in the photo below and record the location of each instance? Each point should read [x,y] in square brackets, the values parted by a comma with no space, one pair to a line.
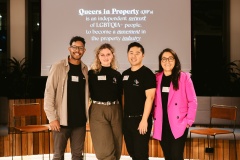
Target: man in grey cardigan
[66,101]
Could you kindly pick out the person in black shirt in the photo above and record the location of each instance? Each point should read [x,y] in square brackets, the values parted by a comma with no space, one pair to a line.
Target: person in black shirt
[105,113]
[66,101]
[139,87]
[175,105]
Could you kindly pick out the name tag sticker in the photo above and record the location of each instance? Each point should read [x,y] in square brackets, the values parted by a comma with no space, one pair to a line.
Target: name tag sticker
[125,78]
[75,79]
[165,89]
[102,78]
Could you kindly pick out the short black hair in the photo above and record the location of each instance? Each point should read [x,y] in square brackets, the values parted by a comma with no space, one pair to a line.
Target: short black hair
[135,44]
[77,38]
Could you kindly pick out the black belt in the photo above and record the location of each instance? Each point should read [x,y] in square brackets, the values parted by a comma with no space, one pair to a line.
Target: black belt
[108,103]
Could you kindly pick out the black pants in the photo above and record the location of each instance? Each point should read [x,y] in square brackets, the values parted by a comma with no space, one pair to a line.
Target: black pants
[173,148]
[136,143]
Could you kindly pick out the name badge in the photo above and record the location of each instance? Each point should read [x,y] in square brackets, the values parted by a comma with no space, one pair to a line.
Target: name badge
[75,79]
[125,78]
[165,89]
[102,78]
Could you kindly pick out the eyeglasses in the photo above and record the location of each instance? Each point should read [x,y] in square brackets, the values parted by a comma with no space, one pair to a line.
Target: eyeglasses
[170,59]
[78,48]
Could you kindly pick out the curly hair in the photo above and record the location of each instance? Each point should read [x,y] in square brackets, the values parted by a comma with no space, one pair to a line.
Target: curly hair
[96,66]
[77,38]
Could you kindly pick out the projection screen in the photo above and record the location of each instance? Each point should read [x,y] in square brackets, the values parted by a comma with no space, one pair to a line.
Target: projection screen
[156,24]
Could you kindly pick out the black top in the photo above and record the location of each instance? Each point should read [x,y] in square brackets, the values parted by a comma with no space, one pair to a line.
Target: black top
[76,97]
[135,83]
[166,80]
[105,85]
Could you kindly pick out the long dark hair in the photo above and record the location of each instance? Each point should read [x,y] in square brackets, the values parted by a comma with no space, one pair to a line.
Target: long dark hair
[176,69]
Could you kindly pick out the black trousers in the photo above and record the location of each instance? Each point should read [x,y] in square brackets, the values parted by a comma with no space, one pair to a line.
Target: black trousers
[136,143]
[173,149]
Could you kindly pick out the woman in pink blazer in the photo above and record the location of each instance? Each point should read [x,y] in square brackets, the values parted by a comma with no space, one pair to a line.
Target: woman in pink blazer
[175,105]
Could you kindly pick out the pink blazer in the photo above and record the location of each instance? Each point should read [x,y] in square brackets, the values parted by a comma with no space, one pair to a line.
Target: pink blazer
[182,106]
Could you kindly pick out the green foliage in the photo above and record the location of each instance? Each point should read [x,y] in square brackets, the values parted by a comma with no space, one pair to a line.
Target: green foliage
[18,78]
[231,81]
[18,68]
[218,81]
[234,71]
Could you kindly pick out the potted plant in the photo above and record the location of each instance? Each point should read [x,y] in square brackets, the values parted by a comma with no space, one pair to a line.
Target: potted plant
[18,78]
[231,79]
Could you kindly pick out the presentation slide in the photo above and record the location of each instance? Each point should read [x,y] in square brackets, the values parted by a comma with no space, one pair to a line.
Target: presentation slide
[156,24]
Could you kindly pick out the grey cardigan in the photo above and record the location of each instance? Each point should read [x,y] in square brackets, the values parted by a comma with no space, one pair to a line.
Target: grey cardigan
[55,96]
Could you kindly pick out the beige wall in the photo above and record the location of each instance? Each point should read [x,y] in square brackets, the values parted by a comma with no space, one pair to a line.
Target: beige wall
[17,29]
[235,30]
